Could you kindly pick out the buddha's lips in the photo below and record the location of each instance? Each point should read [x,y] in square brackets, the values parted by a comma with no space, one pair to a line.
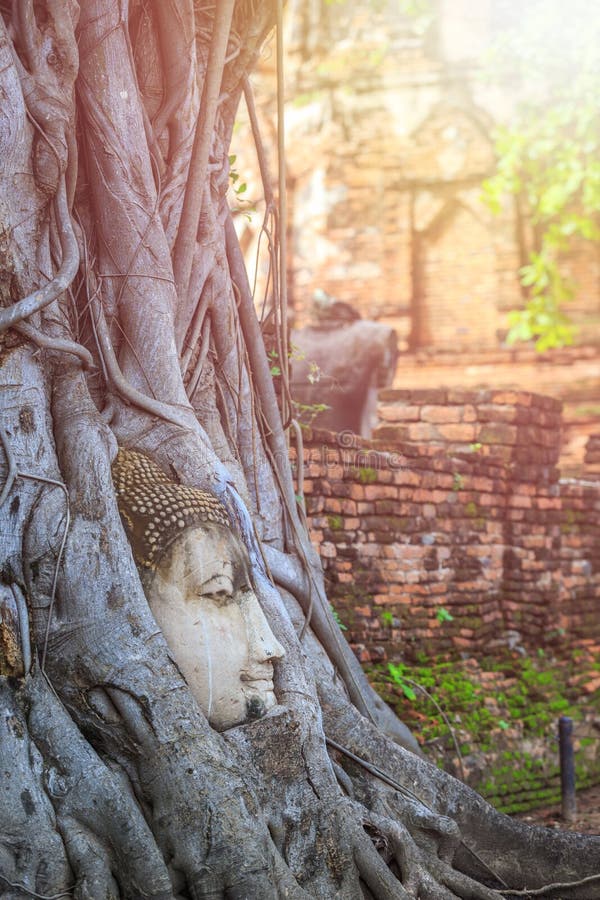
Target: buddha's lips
[259,684]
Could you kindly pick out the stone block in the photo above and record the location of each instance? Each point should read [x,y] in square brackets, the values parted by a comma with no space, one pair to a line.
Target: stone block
[423,432]
[463,433]
[391,432]
[441,414]
[494,412]
[398,412]
[497,434]
[327,550]
[380,491]
[512,398]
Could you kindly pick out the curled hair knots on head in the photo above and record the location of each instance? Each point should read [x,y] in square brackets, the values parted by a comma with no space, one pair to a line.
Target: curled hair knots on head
[155,510]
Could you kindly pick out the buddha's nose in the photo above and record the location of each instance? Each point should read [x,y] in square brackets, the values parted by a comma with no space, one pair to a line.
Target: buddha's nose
[264,645]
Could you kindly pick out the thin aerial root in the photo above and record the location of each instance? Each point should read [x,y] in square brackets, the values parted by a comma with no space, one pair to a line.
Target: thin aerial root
[21,887]
[300,465]
[343,779]
[120,383]
[23,615]
[36,301]
[199,366]
[63,487]
[12,466]
[195,332]
[61,345]
[190,213]
[431,698]
[374,770]
[557,886]
[261,153]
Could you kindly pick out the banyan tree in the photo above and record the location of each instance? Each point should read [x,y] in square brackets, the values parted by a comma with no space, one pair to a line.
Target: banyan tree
[139,422]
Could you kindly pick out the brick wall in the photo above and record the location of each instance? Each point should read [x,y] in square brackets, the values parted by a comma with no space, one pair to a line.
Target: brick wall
[450,536]
[578,518]
[456,504]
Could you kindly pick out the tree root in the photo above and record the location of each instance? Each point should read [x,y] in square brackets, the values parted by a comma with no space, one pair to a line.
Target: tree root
[466,845]
[40,298]
[86,826]
[156,804]
[59,345]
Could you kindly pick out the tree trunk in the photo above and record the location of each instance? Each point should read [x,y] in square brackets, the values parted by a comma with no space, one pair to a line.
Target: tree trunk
[126,319]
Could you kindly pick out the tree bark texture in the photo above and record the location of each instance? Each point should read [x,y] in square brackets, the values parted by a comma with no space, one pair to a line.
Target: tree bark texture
[126,319]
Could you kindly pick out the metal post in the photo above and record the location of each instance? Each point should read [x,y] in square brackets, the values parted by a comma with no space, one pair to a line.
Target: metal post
[567,768]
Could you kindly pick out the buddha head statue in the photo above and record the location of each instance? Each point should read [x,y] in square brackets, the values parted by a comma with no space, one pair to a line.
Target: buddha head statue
[196,576]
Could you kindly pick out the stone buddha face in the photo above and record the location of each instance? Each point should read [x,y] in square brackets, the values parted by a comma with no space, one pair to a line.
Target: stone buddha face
[201,597]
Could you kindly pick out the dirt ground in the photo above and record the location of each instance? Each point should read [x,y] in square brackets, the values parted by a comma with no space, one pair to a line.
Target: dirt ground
[587,819]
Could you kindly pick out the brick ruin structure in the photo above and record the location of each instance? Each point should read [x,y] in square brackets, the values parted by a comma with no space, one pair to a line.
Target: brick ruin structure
[389,135]
[457,505]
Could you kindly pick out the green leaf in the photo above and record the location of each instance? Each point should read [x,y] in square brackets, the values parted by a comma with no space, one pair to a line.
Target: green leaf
[337,619]
[397,676]
[408,691]
[442,615]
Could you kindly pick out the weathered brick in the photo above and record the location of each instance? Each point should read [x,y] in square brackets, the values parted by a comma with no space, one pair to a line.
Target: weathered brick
[512,398]
[357,491]
[423,431]
[497,413]
[327,550]
[391,432]
[351,523]
[463,433]
[380,491]
[441,414]
[497,433]
[397,412]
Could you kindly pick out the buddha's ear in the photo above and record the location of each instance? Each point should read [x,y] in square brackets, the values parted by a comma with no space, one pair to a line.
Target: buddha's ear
[166,572]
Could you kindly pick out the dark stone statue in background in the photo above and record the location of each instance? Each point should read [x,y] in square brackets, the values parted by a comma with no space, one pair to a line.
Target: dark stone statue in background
[341,361]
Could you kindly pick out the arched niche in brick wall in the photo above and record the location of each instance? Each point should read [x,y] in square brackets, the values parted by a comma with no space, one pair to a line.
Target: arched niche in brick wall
[455,281]
[452,144]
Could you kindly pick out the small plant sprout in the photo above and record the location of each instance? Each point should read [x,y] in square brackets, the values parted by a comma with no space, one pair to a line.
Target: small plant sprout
[398,677]
[275,368]
[314,373]
[306,413]
[458,482]
[442,615]
[337,619]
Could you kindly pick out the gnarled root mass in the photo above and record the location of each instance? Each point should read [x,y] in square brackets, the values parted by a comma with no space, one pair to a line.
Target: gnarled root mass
[126,318]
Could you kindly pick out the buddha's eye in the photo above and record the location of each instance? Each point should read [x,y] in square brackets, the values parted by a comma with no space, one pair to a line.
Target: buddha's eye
[219,598]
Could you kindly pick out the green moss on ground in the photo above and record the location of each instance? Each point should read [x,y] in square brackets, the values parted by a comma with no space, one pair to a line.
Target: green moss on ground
[504,713]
